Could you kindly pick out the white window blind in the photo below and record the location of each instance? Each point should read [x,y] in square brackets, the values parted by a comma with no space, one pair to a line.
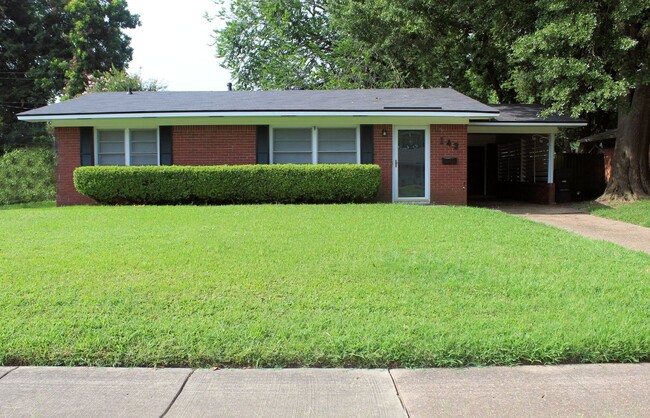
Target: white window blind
[292,145]
[144,147]
[110,149]
[337,145]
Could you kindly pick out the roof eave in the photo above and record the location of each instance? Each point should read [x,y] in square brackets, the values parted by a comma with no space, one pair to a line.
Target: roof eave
[163,115]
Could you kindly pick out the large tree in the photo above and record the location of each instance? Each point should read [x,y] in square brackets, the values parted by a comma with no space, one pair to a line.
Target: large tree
[48,48]
[321,44]
[278,44]
[592,56]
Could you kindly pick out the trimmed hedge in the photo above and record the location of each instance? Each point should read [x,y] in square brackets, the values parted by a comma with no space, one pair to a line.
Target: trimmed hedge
[286,183]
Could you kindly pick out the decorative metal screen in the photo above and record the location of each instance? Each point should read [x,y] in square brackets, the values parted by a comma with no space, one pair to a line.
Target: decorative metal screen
[523,160]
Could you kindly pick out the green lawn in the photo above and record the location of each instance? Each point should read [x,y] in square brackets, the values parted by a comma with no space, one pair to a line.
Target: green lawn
[344,285]
[635,213]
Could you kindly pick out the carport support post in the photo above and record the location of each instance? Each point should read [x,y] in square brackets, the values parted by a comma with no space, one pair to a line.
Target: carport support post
[551,157]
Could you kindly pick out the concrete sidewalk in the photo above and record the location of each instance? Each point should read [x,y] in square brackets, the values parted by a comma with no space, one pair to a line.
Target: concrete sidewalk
[571,390]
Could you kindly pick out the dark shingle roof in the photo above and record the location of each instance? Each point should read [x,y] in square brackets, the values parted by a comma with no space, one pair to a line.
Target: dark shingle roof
[523,113]
[394,100]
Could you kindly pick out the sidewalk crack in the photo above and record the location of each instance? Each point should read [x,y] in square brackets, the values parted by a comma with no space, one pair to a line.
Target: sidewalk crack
[399,396]
[8,372]
[177,394]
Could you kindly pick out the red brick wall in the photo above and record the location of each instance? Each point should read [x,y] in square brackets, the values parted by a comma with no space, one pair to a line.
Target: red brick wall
[449,182]
[68,158]
[213,145]
[383,156]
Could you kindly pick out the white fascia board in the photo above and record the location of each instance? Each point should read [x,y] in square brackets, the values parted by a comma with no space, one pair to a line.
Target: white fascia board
[45,118]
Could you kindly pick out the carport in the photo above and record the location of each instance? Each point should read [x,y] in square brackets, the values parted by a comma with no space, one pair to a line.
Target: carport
[512,156]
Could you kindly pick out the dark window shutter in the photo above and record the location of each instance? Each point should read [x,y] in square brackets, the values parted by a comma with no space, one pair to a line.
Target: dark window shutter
[165,145]
[263,144]
[367,144]
[86,135]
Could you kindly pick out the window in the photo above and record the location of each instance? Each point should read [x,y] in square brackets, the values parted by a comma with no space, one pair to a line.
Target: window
[337,145]
[127,147]
[110,150]
[292,146]
[144,147]
[315,145]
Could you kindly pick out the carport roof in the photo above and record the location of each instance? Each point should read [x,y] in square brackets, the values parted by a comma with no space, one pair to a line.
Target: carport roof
[529,113]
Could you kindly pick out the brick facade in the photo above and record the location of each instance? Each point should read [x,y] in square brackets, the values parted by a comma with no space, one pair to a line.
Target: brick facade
[383,156]
[68,158]
[213,145]
[449,182]
[217,145]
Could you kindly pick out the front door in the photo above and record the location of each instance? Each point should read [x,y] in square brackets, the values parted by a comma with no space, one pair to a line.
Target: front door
[410,152]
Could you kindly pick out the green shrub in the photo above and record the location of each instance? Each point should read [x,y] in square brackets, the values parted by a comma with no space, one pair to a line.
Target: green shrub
[287,183]
[27,175]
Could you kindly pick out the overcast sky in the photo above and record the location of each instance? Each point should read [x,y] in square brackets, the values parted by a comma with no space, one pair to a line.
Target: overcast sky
[173,44]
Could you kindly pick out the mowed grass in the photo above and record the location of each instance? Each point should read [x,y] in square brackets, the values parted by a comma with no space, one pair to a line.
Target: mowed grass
[635,213]
[342,285]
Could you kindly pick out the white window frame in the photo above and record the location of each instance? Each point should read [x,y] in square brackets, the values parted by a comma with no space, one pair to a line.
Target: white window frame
[127,143]
[314,141]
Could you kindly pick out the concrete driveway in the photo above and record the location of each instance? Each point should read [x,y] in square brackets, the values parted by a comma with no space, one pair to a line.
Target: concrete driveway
[567,217]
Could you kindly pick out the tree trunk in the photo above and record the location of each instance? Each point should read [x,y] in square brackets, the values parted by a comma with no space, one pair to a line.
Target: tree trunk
[630,171]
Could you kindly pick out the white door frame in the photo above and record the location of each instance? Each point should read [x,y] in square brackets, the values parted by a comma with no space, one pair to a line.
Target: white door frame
[427,165]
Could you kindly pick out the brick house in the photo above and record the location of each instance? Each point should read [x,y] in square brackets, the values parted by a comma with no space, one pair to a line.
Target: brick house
[434,146]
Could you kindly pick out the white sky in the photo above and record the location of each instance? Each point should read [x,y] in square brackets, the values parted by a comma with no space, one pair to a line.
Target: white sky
[174,44]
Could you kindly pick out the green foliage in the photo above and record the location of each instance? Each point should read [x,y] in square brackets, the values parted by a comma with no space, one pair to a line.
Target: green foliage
[312,286]
[282,183]
[96,40]
[27,175]
[279,44]
[49,48]
[583,56]
[120,80]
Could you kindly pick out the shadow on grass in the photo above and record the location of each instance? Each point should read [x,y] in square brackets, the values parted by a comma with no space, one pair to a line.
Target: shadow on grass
[592,205]
[32,205]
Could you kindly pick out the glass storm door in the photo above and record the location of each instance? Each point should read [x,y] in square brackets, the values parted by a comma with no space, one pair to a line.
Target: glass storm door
[411,164]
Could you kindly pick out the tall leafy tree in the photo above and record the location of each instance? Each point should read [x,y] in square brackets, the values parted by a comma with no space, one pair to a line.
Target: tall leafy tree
[278,44]
[379,44]
[48,48]
[591,56]
[20,90]
[463,44]
[96,39]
